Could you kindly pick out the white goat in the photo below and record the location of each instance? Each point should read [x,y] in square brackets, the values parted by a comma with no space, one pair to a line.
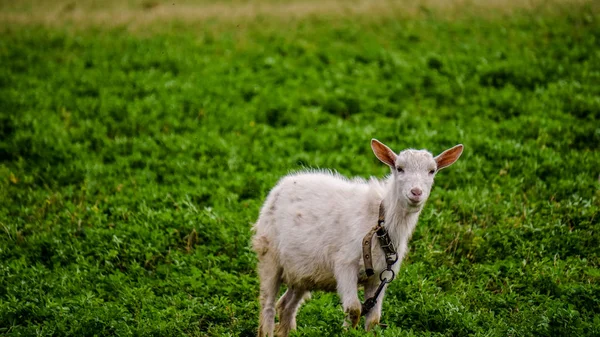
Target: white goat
[310,230]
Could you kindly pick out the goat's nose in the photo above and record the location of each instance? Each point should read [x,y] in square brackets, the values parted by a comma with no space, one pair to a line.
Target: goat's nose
[416,191]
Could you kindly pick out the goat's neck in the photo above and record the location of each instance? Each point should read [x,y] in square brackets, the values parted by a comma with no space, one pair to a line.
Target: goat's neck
[399,221]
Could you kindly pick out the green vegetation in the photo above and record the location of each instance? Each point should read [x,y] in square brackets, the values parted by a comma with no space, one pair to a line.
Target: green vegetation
[135,162]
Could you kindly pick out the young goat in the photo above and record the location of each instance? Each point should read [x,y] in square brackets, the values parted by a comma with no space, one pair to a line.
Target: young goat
[310,230]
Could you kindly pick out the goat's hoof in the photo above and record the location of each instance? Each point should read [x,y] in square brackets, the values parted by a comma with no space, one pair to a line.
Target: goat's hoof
[370,325]
[354,316]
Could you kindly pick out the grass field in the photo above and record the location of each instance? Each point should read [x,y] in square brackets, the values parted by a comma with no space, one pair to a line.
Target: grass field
[138,141]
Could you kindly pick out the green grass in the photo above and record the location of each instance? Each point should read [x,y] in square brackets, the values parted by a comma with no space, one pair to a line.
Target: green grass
[133,166]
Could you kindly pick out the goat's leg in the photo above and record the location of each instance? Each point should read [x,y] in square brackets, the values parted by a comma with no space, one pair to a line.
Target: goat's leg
[372,318]
[270,280]
[346,277]
[287,307]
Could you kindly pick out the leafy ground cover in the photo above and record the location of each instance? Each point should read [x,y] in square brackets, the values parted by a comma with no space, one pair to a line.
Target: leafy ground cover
[134,163]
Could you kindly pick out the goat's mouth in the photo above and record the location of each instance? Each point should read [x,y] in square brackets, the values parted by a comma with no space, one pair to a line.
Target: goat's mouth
[414,201]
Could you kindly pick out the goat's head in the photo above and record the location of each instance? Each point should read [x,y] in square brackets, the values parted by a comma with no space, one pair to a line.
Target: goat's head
[413,171]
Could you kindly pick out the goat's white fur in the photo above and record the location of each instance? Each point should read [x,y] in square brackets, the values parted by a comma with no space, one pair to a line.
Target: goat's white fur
[310,230]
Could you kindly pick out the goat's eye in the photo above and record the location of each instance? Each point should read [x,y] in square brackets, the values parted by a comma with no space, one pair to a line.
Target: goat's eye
[431,172]
[400,169]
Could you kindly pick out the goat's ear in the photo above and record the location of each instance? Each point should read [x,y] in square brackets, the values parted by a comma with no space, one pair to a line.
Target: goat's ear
[448,157]
[383,153]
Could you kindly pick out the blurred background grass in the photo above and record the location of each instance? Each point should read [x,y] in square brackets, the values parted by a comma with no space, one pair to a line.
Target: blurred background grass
[146,14]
